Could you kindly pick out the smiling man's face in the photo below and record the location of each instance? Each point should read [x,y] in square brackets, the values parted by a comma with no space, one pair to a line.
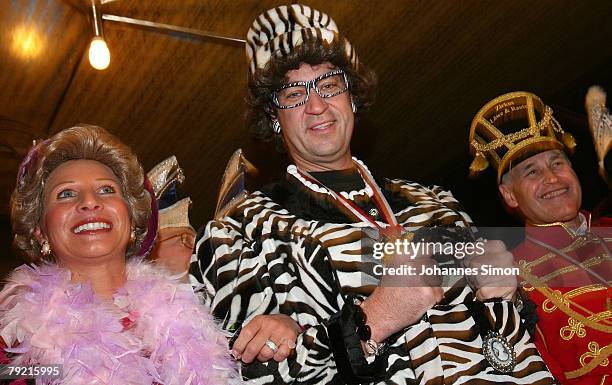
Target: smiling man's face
[318,133]
[544,188]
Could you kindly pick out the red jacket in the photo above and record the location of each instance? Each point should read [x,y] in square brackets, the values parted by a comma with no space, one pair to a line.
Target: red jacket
[574,330]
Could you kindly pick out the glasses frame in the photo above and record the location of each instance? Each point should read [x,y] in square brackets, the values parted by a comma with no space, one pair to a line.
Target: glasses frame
[310,84]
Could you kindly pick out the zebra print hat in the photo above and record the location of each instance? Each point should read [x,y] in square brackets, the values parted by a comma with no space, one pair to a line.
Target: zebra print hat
[278,30]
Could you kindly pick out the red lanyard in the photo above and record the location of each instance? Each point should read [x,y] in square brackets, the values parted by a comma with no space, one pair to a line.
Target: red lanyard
[393,229]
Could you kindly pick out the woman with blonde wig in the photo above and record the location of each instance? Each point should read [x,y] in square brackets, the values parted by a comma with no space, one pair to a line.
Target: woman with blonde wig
[82,212]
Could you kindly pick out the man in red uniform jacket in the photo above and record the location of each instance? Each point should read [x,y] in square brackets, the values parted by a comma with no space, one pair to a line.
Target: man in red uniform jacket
[565,263]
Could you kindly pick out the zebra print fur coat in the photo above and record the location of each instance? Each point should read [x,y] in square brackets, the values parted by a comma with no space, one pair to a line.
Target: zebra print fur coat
[276,253]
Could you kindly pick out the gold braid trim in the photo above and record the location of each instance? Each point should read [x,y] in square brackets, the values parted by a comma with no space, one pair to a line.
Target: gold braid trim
[541,287]
[577,328]
[541,334]
[596,260]
[599,357]
[574,328]
[510,139]
[578,243]
[556,273]
[549,308]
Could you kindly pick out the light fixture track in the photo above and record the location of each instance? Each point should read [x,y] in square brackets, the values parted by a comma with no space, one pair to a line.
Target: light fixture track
[97,21]
[169,28]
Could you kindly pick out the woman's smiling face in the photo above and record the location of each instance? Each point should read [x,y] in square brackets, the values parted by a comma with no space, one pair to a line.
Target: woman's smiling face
[85,216]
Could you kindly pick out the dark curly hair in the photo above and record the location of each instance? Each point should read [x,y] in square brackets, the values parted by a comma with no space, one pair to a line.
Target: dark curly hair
[362,82]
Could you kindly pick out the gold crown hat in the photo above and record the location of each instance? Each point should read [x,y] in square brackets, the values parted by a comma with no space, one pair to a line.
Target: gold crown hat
[164,177]
[510,129]
[278,30]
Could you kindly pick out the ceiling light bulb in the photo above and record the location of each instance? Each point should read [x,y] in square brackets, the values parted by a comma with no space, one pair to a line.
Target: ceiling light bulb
[99,55]
[27,42]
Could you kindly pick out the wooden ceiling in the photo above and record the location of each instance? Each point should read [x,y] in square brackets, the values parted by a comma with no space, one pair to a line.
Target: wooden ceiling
[438,62]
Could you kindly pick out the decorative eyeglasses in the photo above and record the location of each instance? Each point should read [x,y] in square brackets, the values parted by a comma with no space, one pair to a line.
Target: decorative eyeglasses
[296,94]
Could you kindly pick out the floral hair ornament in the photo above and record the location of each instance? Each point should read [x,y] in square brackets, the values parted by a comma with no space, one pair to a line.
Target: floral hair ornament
[26,163]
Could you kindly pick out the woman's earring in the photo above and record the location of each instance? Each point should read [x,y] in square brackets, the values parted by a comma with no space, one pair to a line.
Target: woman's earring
[276,127]
[133,236]
[353,106]
[45,248]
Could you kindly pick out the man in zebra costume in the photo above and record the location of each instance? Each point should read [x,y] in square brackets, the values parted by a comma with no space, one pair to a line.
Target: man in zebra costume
[288,263]
[566,265]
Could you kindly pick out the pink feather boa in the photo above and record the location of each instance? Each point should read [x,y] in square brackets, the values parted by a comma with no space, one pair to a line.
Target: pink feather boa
[47,319]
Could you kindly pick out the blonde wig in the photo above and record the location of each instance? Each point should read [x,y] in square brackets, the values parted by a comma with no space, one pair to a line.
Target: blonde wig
[80,142]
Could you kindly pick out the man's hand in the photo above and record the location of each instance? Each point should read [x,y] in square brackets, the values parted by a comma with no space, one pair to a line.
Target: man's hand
[494,285]
[390,309]
[281,329]
[401,300]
